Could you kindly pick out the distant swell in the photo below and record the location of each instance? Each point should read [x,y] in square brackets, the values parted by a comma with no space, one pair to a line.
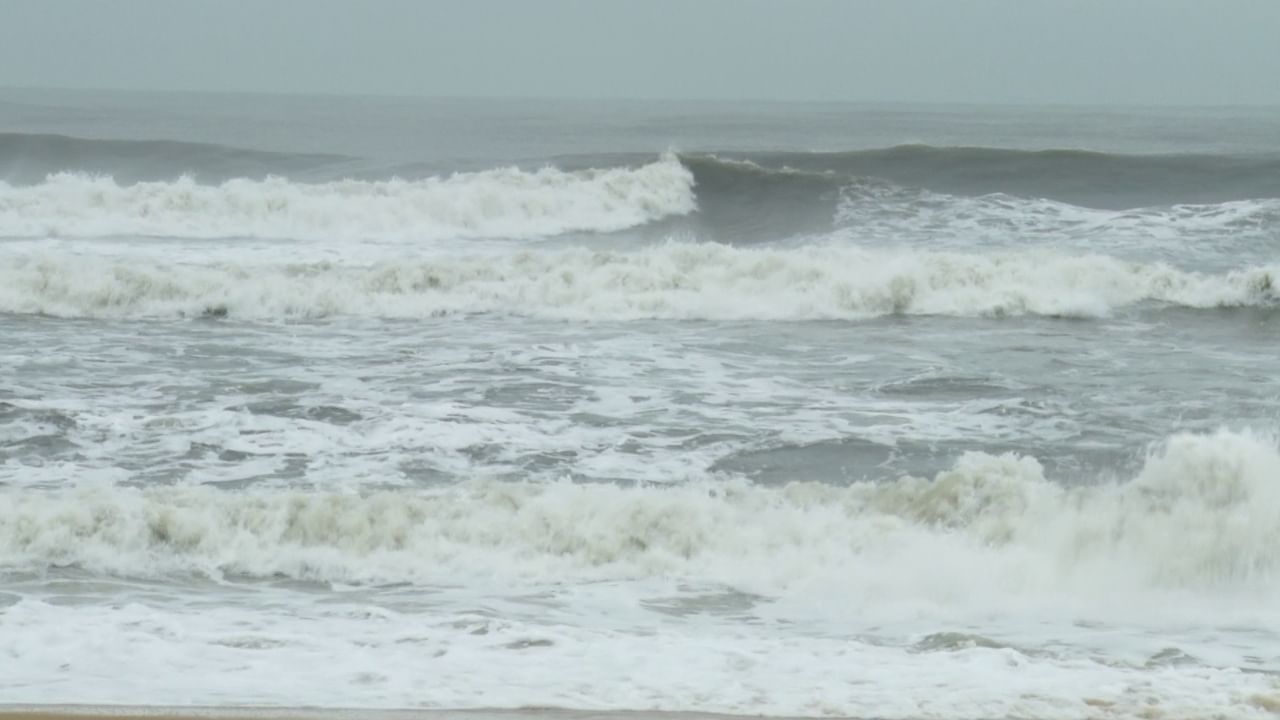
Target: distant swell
[1079,177]
[1204,512]
[30,158]
[672,281]
[506,203]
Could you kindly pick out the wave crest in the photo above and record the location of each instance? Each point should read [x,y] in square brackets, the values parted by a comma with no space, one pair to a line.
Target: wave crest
[673,281]
[1080,177]
[1204,512]
[500,203]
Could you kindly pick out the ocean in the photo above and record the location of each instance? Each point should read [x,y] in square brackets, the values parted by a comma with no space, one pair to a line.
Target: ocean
[765,409]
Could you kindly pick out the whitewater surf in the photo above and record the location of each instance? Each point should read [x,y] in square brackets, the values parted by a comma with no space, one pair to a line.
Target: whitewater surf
[802,411]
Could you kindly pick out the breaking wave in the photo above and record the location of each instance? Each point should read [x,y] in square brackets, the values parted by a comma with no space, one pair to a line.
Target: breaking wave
[499,203]
[1203,513]
[69,187]
[672,281]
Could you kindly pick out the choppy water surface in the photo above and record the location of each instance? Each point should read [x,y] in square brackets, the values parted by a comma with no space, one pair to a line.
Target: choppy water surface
[801,410]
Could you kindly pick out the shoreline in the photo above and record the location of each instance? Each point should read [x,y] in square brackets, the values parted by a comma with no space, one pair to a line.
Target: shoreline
[232,712]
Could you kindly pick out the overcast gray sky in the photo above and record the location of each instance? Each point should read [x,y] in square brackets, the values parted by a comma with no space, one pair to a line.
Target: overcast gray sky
[1056,51]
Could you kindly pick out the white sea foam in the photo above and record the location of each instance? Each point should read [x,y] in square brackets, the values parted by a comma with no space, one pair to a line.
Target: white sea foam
[1119,599]
[1203,513]
[348,654]
[673,281]
[1199,235]
[507,203]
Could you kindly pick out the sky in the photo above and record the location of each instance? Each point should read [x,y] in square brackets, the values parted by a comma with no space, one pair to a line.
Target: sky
[1108,52]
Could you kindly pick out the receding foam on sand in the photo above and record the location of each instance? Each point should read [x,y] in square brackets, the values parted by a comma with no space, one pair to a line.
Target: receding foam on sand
[138,712]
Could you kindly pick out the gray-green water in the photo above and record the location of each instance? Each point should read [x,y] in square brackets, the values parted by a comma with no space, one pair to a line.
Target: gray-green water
[461,403]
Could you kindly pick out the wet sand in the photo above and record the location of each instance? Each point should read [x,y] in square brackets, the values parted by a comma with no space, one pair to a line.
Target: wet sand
[118,712]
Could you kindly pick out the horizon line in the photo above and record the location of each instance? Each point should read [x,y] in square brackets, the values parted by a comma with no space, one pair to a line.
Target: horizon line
[901,102]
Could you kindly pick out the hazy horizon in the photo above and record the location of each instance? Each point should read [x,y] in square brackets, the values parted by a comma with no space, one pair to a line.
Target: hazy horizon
[712,101]
[1139,53]
[640,360]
